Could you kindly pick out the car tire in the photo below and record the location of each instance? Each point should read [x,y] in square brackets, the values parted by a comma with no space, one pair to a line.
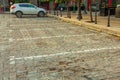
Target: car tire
[19,14]
[41,14]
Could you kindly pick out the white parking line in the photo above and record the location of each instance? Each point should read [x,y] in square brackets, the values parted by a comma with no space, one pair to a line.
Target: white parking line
[13,59]
[36,22]
[36,29]
[50,28]
[10,31]
[47,37]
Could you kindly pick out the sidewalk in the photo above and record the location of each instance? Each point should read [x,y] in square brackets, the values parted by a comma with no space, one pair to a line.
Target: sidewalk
[101,25]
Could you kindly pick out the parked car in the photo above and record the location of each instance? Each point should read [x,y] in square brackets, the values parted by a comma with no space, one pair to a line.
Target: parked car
[20,9]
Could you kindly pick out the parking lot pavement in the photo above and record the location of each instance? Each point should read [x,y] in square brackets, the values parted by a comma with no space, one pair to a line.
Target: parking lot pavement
[48,49]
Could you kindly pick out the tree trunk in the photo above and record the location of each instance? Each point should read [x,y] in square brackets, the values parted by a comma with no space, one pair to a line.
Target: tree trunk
[91,17]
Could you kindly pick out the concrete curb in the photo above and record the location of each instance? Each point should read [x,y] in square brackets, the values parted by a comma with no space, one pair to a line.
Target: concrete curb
[100,28]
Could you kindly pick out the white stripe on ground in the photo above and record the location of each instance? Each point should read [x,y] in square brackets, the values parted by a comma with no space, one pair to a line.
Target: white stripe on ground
[10,31]
[50,28]
[47,37]
[13,59]
[36,24]
[36,29]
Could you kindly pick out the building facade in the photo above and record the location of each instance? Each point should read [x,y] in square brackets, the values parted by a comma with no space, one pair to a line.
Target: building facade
[108,4]
[48,4]
[4,5]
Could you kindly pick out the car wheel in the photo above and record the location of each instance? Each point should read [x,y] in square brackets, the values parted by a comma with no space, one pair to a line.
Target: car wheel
[41,14]
[18,14]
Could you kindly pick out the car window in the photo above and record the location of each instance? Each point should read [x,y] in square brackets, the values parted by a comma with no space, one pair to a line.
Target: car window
[31,6]
[23,5]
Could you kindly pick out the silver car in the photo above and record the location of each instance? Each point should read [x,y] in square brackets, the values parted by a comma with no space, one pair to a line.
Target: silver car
[20,9]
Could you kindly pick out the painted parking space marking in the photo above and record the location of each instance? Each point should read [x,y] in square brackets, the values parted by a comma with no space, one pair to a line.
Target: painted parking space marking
[13,58]
[36,29]
[34,24]
[50,28]
[47,37]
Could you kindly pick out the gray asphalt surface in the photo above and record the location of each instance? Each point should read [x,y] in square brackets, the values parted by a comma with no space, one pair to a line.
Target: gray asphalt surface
[45,48]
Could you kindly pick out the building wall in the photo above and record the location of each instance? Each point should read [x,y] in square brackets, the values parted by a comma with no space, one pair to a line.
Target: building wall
[4,3]
[94,1]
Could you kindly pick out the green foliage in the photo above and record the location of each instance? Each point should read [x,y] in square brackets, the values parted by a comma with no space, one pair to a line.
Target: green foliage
[44,0]
[59,1]
[21,1]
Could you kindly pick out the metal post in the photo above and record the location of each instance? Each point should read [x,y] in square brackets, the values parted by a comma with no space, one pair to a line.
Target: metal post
[79,10]
[69,13]
[96,14]
[50,7]
[57,12]
[54,12]
[61,11]
[108,17]
[74,7]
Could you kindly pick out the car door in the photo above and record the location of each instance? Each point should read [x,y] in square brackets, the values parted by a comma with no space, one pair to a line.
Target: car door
[24,8]
[32,9]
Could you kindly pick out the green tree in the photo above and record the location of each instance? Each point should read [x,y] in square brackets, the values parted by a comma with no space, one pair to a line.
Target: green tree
[21,1]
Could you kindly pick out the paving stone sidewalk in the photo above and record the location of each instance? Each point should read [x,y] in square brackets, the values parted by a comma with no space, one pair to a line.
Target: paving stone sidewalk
[101,25]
